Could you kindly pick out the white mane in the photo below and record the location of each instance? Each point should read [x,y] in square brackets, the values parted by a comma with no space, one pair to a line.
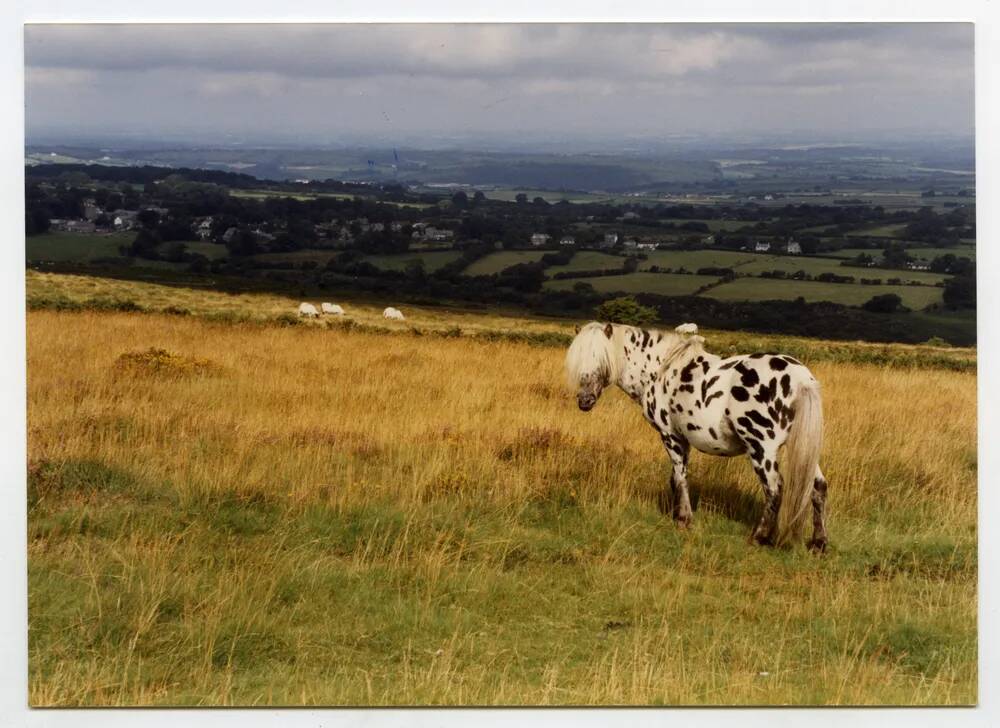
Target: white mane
[687,346]
[592,351]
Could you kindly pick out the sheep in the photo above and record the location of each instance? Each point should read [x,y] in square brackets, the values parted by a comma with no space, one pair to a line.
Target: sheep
[687,329]
[393,313]
[332,308]
[308,310]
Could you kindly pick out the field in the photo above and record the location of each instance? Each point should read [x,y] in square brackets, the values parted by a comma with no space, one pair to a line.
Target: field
[925,254]
[74,246]
[496,262]
[850,294]
[880,231]
[715,225]
[212,527]
[816,266]
[432,260]
[694,259]
[318,256]
[665,284]
[588,260]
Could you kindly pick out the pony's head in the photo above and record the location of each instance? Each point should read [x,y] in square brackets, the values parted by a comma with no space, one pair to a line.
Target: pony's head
[592,363]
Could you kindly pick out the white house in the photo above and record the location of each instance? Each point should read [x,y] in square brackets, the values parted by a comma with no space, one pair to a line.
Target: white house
[794,248]
[539,239]
[762,247]
[433,233]
[630,243]
[646,246]
[124,219]
[610,240]
[204,229]
[567,240]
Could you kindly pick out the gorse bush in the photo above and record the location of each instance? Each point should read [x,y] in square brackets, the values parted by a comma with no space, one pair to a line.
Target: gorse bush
[626,310]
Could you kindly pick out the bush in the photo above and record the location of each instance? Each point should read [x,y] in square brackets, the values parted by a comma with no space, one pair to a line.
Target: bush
[626,310]
[162,363]
[885,303]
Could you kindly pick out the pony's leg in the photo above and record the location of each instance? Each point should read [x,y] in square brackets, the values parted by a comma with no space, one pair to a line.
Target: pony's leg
[678,450]
[765,464]
[819,539]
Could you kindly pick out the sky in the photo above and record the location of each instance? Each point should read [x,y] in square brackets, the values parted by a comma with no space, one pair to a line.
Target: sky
[331,84]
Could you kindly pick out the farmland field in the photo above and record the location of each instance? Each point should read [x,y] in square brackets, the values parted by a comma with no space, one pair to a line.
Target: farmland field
[849,294]
[586,260]
[74,247]
[496,262]
[432,260]
[665,284]
[881,231]
[694,259]
[207,527]
[817,266]
[716,225]
[924,254]
[318,256]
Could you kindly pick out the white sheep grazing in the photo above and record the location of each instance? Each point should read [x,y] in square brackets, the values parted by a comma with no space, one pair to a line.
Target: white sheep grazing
[393,313]
[308,310]
[332,308]
[687,329]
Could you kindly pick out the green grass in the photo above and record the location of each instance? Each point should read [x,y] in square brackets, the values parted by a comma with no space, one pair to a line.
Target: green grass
[388,604]
[692,260]
[209,250]
[926,254]
[496,262]
[714,225]
[880,231]
[587,260]
[929,254]
[321,257]
[432,260]
[665,284]
[764,289]
[74,247]
[817,266]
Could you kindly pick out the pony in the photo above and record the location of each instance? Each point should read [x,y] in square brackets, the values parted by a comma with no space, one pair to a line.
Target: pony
[308,310]
[393,313]
[749,403]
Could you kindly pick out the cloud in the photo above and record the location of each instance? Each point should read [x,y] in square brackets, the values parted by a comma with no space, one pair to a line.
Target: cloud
[442,77]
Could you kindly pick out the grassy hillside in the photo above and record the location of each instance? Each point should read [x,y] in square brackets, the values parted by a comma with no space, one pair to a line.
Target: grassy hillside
[850,294]
[326,514]
[666,284]
[496,262]
[817,266]
[74,246]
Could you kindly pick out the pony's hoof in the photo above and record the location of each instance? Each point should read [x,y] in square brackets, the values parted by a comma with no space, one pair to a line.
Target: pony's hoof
[683,522]
[817,546]
[761,539]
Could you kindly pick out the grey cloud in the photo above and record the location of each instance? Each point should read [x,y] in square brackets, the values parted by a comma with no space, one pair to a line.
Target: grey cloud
[593,78]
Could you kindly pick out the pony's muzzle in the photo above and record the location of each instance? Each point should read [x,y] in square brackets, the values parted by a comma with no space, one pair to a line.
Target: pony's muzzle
[586,401]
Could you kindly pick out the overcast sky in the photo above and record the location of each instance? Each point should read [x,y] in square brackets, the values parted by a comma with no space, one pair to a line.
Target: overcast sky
[326,83]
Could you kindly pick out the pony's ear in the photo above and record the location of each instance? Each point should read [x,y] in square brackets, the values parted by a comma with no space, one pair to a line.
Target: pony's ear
[608,330]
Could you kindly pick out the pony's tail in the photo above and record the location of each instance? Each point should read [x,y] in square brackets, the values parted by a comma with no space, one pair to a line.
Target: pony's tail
[804,442]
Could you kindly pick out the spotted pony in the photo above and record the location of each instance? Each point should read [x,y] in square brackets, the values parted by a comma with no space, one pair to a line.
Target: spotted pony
[750,403]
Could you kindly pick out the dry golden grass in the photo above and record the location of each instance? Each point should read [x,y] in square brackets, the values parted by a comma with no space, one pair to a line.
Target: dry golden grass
[334,517]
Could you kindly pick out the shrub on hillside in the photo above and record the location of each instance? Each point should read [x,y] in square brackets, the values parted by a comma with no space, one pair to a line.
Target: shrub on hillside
[626,310]
[885,303]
